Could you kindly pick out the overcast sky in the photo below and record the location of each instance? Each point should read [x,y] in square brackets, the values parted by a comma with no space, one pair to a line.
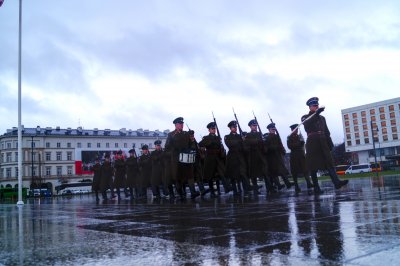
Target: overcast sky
[140,64]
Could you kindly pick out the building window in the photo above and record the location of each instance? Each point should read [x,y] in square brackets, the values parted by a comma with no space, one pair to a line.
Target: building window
[365,133]
[395,137]
[364,120]
[48,156]
[69,145]
[346,123]
[365,127]
[16,171]
[348,136]
[383,123]
[346,117]
[357,141]
[354,115]
[125,145]
[394,129]
[9,145]
[79,145]
[8,154]
[58,156]
[355,128]
[363,113]
[393,122]
[355,121]
[372,111]
[392,115]
[357,135]
[381,109]
[48,170]
[366,140]
[69,170]
[98,145]
[16,156]
[384,130]
[107,145]
[89,145]
[373,118]
[47,144]
[373,125]
[391,107]
[382,116]
[385,138]
[116,145]
[8,172]
[69,156]
[347,130]
[58,145]
[59,170]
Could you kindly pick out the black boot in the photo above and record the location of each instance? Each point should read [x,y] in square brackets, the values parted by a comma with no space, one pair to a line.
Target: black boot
[308,181]
[277,182]
[317,189]
[335,179]
[296,184]
[287,182]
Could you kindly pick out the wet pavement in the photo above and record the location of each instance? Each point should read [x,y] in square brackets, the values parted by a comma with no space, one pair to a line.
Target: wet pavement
[357,225]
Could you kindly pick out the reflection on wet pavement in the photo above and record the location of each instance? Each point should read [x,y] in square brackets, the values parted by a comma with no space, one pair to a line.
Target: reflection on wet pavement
[358,225]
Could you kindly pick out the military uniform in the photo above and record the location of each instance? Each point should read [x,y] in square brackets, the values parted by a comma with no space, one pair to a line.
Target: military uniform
[106,178]
[214,162]
[96,168]
[256,161]
[236,167]
[319,145]
[198,174]
[178,141]
[132,172]
[145,169]
[119,174]
[295,143]
[274,153]
[157,170]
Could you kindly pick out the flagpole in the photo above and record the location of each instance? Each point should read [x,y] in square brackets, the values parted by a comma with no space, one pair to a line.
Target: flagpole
[20,202]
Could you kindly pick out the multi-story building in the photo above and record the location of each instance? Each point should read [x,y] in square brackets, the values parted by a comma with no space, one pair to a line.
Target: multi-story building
[54,155]
[375,124]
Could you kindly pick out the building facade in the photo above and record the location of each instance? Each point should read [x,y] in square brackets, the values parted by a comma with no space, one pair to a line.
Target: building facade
[54,155]
[375,124]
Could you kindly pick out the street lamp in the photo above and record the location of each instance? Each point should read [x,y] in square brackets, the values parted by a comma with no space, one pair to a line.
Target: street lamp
[373,145]
[32,146]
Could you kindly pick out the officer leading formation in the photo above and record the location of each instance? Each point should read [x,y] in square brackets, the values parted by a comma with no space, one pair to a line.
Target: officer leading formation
[252,157]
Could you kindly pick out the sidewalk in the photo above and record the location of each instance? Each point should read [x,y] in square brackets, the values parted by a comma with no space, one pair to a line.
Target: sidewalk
[357,225]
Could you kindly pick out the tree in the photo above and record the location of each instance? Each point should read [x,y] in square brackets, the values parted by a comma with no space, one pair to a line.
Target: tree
[340,156]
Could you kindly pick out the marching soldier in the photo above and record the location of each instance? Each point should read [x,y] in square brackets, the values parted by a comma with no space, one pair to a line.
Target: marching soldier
[96,168]
[178,142]
[119,173]
[295,143]
[106,177]
[198,164]
[257,163]
[144,163]
[319,145]
[236,168]
[275,153]
[214,160]
[132,172]
[157,170]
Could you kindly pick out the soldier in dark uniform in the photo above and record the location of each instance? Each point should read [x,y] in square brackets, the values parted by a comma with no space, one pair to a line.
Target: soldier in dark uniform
[132,172]
[198,164]
[119,173]
[96,168]
[236,167]
[256,161]
[275,152]
[214,164]
[145,164]
[295,143]
[178,141]
[157,170]
[106,176]
[319,145]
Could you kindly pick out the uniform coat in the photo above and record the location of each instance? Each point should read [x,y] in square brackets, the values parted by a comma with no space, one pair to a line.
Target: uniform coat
[255,153]
[96,177]
[177,142]
[106,176]
[296,143]
[319,143]
[132,170]
[275,153]
[120,171]
[214,160]
[157,167]
[235,161]
[145,170]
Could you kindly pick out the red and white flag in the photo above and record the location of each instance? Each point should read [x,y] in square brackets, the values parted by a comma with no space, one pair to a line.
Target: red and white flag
[1,2]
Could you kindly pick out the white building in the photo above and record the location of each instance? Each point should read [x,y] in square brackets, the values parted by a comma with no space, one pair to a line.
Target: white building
[55,155]
[380,120]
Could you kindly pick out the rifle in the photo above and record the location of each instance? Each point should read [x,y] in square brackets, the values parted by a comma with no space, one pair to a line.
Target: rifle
[237,121]
[219,136]
[270,119]
[258,125]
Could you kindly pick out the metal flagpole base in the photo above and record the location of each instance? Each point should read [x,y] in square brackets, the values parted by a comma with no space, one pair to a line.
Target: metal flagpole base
[20,202]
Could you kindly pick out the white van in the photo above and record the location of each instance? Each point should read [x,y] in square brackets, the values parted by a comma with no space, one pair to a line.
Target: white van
[359,168]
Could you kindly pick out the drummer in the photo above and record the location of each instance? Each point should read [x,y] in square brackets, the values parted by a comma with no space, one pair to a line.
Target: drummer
[214,160]
[178,141]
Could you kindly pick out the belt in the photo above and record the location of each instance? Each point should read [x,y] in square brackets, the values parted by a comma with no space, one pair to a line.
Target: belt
[315,133]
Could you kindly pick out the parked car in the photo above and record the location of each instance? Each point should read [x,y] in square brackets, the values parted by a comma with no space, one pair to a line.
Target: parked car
[359,168]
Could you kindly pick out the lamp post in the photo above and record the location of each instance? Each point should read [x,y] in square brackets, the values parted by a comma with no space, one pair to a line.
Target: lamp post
[32,182]
[373,145]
